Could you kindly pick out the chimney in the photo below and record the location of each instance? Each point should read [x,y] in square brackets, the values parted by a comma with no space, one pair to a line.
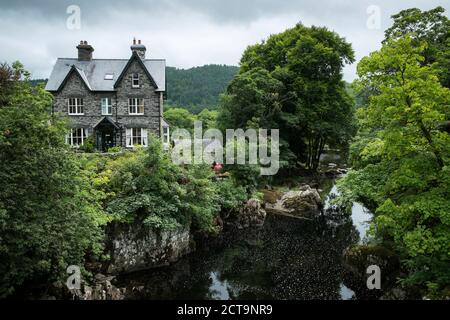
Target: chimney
[139,48]
[84,51]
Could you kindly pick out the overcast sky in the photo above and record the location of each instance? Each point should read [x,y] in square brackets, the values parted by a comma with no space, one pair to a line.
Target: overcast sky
[186,33]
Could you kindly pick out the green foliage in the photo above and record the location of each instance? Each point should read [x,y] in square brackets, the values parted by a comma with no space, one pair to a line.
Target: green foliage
[431,27]
[50,214]
[180,118]
[145,186]
[198,88]
[402,160]
[115,149]
[88,145]
[293,82]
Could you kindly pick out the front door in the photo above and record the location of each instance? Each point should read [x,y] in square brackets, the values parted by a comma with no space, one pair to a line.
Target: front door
[107,139]
[105,132]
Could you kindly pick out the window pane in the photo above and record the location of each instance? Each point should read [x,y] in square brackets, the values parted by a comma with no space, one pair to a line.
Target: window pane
[141,106]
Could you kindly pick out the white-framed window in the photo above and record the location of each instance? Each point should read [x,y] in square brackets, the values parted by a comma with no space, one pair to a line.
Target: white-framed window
[75,106]
[137,137]
[76,137]
[166,137]
[136,106]
[135,80]
[106,106]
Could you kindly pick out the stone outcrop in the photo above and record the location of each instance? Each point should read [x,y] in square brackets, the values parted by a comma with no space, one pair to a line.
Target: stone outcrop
[139,247]
[357,259]
[251,214]
[305,202]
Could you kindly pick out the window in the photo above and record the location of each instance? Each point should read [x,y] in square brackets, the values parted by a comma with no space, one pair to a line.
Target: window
[76,137]
[135,80]
[136,106]
[76,106]
[109,76]
[137,136]
[106,106]
[166,135]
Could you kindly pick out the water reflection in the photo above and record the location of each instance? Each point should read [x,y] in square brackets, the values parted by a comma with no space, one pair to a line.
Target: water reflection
[286,259]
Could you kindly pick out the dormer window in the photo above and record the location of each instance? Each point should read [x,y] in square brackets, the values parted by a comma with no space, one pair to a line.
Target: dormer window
[109,76]
[135,80]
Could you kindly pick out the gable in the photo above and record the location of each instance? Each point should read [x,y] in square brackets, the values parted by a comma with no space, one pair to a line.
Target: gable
[74,83]
[75,72]
[135,64]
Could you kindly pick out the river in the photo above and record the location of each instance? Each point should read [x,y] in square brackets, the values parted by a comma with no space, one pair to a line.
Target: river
[286,259]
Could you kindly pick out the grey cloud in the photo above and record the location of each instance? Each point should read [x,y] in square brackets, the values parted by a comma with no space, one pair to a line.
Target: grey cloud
[186,32]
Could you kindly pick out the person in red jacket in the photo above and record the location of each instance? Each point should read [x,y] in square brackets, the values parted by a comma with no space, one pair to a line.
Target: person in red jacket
[217,167]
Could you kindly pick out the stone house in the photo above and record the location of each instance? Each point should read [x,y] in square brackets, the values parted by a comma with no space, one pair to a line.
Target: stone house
[116,102]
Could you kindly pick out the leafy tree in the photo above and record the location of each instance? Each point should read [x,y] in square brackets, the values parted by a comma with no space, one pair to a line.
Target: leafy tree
[208,119]
[50,215]
[431,27]
[180,118]
[402,160]
[147,187]
[293,82]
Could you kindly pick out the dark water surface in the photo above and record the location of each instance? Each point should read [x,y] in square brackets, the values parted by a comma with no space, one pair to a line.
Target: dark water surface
[286,259]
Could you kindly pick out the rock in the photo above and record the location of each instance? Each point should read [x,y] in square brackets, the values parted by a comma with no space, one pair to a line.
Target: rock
[271,196]
[356,261]
[138,247]
[394,294]
[332,165]
[251,214]
[305,202]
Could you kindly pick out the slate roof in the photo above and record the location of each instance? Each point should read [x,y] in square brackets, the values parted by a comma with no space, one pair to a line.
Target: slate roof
[93,72]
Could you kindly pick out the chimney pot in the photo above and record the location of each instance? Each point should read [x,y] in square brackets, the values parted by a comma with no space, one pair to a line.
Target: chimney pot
[84,51]
[139,48]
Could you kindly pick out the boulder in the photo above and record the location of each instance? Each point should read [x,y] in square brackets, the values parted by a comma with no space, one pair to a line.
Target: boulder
[135,247]
[357,259]
[251,214]
[100,289]
[304,202]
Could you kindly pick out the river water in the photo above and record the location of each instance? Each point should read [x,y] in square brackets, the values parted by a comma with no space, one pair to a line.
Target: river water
[286,259]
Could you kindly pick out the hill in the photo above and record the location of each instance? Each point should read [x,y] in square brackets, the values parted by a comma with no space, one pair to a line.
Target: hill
[199,87]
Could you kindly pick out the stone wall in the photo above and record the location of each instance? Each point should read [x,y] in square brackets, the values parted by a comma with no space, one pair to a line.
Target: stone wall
[138,247]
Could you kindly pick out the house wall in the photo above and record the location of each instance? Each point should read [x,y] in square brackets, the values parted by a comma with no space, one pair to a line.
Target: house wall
[152,117]
[75,88]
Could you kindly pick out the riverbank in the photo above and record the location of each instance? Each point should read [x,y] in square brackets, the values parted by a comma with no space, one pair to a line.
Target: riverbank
[285,258]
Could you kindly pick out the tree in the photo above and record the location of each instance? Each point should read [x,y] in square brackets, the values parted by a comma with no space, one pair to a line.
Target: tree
[208,119]
[293,82]
[180,118]
[402,160]
[50,215]
[431,27]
